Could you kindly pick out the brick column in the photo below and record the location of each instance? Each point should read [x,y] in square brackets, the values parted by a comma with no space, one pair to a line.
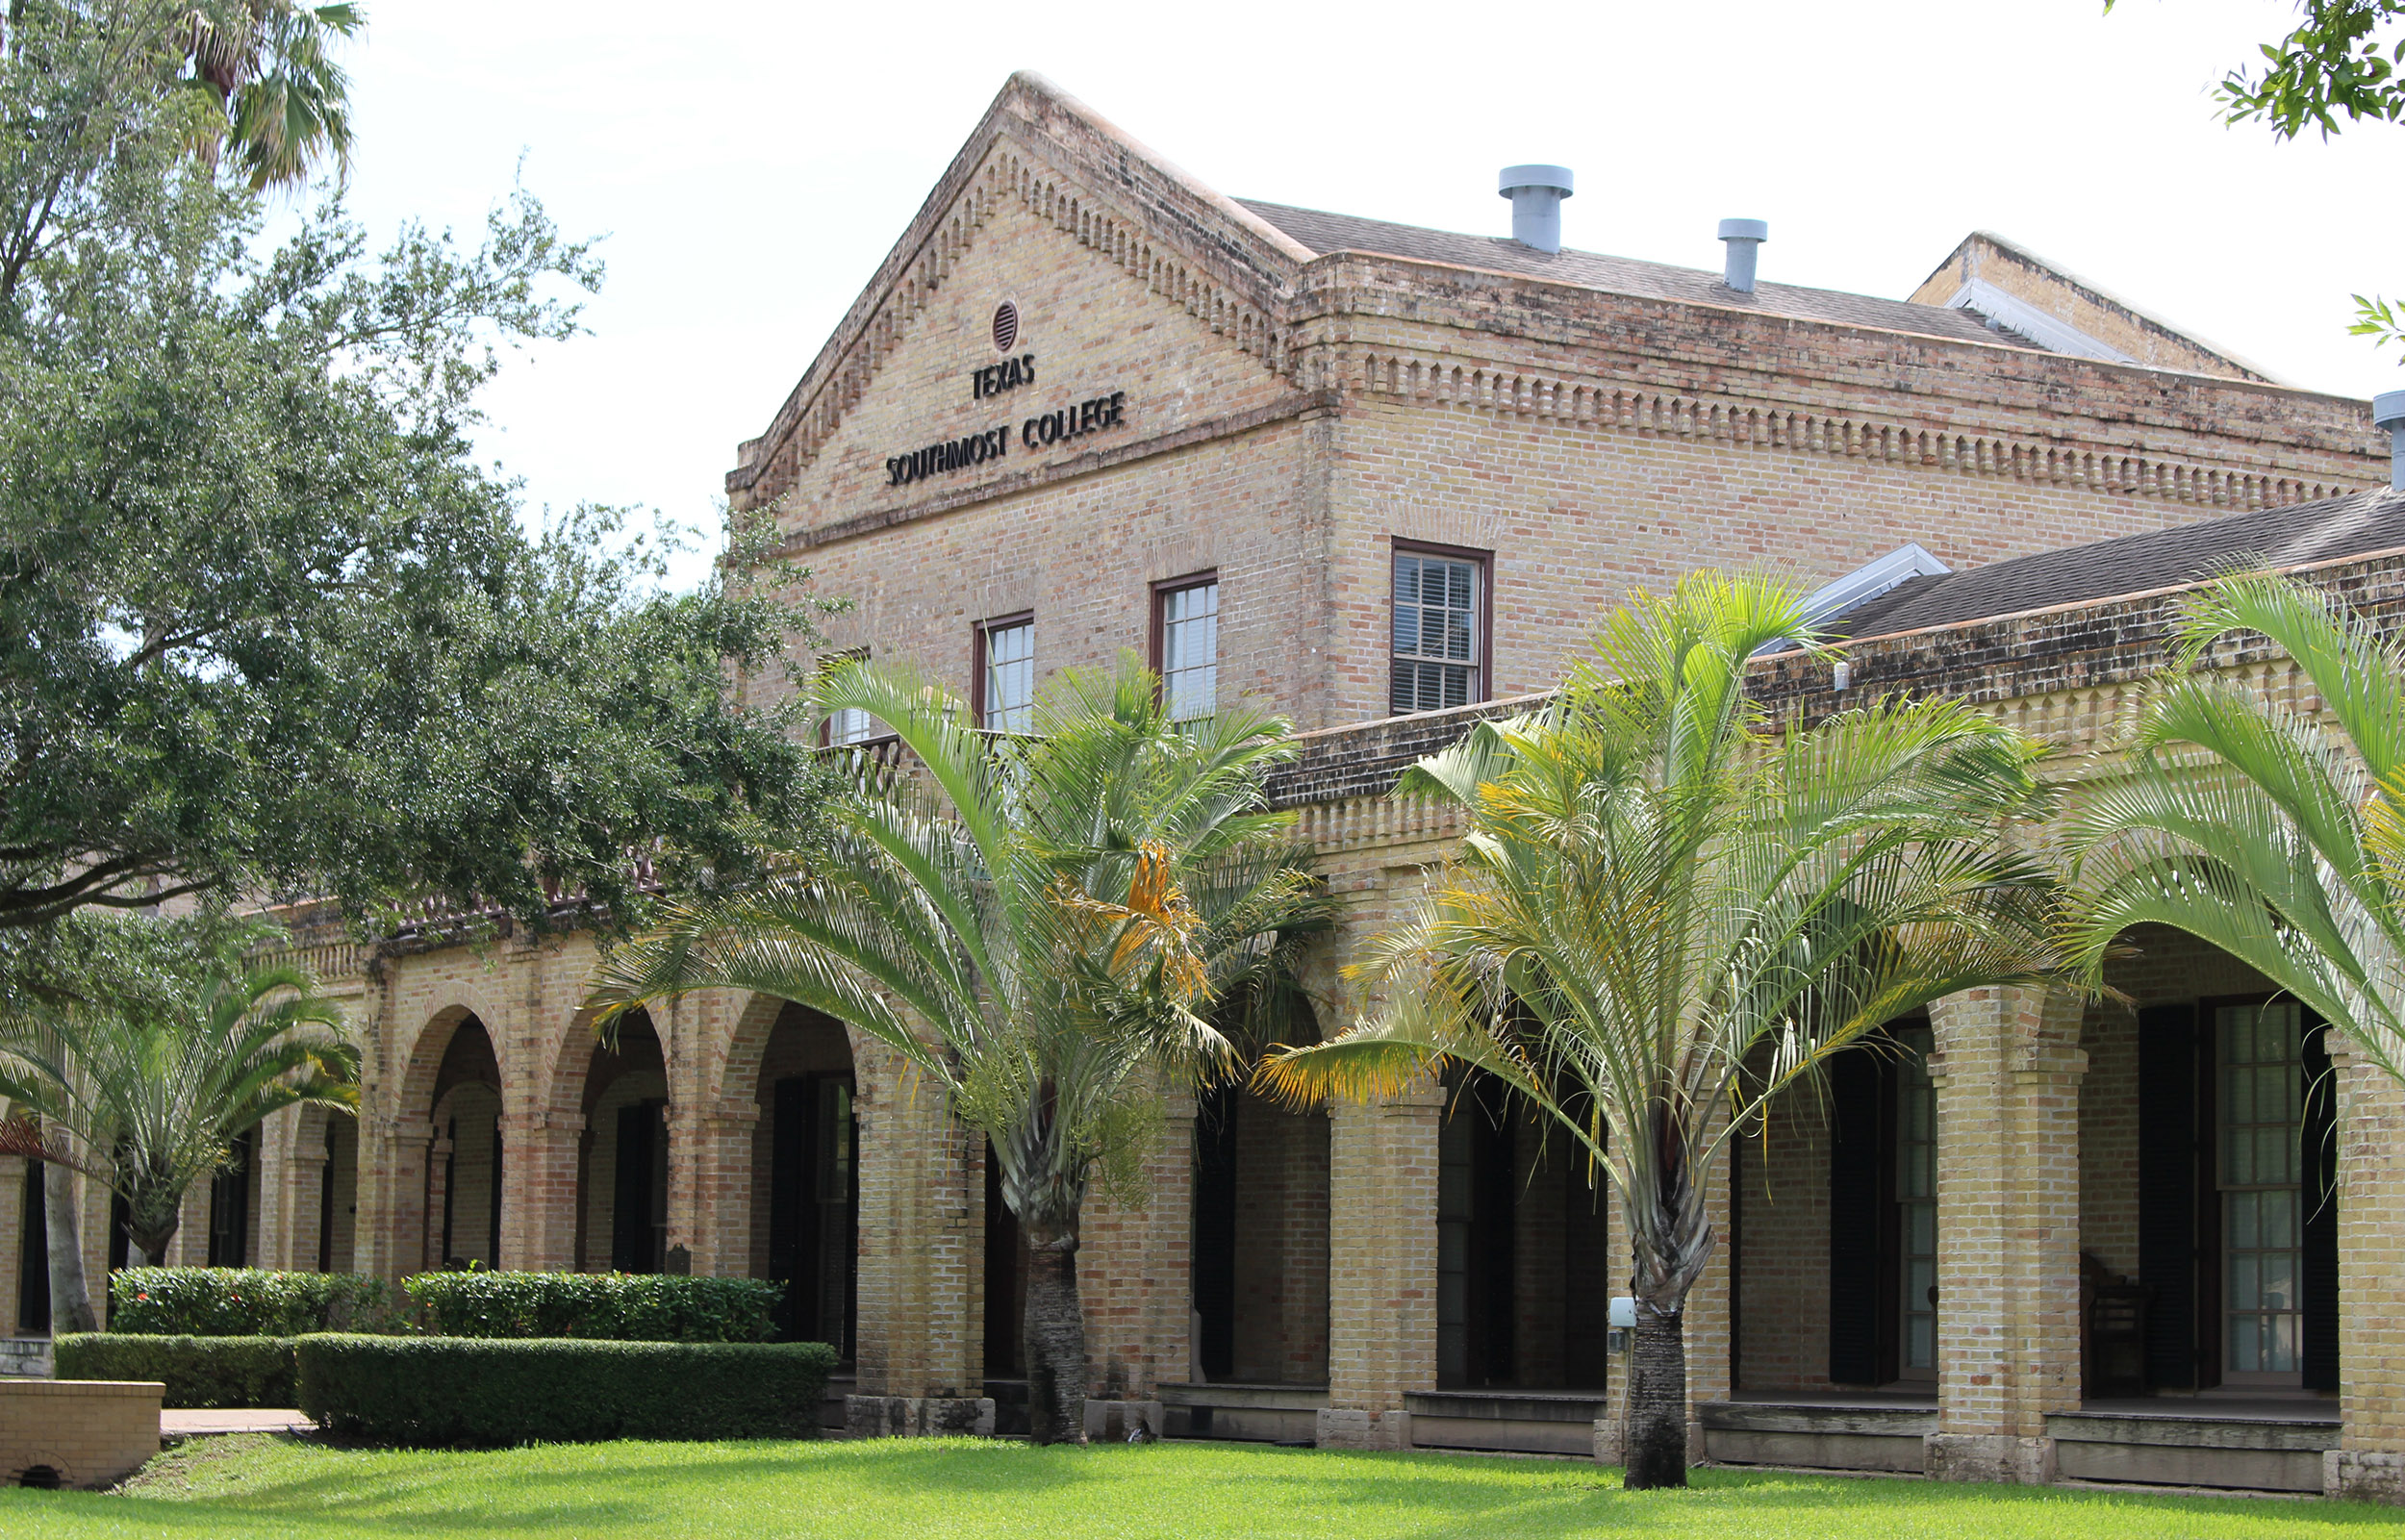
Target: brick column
[539,1192]
[1381,1246]
[2007,1069]
[715,1186]
[1135,1275]
[921,1353]
[281,1215]
[2369,1461]
[390,1238]
[13,1219]
[1710,1306]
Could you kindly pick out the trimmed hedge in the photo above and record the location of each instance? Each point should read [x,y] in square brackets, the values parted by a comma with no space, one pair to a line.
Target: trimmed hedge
[215,1302]
[602,1306]
[452,1392]
[198,1371]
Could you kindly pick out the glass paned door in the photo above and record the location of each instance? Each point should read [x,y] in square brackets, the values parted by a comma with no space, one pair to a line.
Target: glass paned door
[2263,1094]
[1916,1202]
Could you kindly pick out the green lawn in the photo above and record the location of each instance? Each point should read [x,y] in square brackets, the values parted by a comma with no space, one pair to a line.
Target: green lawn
[964,1490]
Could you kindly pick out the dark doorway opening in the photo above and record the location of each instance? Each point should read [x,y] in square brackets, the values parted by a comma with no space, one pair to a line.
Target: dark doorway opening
[1523,1272]
[814,1204]
[638,1196]
[229,1204]
[1005,1281]
[32,1258]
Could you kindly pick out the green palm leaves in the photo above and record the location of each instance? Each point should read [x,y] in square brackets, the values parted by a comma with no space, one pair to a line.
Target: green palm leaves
[153,1094]
[2249,825]
[1052,927]
[1665,912]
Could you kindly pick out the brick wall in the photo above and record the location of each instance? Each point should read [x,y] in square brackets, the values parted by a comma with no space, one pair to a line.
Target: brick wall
[87,1433]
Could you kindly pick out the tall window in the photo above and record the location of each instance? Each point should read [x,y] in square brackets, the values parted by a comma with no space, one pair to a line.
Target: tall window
[2262,1105]
[1916,1198]
[1007,674]
[1440,633]
[1187,649]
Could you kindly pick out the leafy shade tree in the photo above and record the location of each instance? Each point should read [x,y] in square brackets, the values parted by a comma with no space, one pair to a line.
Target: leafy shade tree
[1669,909]
[2252,827]
[267,624]
[149,1097]
[2341,59]
[1041,926]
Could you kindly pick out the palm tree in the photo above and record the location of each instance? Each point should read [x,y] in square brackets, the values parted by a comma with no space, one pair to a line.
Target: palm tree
[150,1099]
[1665,912]
[2251,827]
[281,104]
[1040,924]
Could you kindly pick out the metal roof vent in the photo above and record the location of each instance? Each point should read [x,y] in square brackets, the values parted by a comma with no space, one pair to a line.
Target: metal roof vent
[1535,192]
[2388,411]
[1746,238]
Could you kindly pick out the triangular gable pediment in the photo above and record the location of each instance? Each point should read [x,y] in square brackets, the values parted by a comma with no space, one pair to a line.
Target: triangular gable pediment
[1039,152]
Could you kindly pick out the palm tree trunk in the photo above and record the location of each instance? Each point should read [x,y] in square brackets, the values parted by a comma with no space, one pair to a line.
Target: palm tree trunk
[1054,1339]
[1655,1440]
[70,1295]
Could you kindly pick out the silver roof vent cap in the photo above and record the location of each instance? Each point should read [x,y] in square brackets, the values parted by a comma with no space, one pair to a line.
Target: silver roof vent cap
[1535,192]
[1744,238]
[2388,411]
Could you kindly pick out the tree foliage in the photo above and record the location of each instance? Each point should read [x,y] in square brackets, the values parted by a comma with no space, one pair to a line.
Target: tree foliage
[267,626]
[2341,61]
[147,1086]
[2254,828]
[1667,910]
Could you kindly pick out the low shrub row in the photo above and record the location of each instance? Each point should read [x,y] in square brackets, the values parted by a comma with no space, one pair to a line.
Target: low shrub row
[205,1301]
[452,1392]
[197,1371]
[604,1307]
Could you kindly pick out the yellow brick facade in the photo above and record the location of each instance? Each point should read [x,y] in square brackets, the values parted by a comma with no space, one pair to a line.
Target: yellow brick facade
[1285,418]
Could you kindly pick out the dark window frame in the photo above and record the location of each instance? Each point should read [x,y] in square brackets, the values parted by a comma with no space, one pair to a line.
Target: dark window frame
[978,634]
[1157,637]
[1484,609]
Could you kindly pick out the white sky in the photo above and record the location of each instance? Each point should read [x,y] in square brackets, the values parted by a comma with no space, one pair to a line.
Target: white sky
[752,163]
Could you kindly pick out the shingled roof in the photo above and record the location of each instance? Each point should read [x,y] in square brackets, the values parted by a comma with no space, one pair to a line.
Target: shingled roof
[2298,535]
[1324,232]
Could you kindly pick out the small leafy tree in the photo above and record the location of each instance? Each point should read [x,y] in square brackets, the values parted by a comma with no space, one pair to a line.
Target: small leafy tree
[1669,909]
[1038,924]
[151,1096]
[2343,58]
[2254,828]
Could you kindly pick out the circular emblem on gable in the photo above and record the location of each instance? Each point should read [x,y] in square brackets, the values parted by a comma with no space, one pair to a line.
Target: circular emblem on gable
[1005,326]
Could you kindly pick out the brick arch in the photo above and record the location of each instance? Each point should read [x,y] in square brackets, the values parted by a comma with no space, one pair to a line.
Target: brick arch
[431,1042]
[567,1088]
[747,1043]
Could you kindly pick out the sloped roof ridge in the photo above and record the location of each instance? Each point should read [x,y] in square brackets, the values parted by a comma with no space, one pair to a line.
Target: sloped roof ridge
[1326,232]
[2186,334]
[1228,259]
[2329,529]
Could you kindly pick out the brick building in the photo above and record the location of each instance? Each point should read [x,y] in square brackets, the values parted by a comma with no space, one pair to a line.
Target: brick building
[1381,477]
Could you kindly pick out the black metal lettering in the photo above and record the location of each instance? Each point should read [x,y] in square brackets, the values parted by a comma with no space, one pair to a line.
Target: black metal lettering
[1119,399]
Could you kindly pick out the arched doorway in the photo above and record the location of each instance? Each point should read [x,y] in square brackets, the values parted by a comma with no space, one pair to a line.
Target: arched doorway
[622,1155]
[464,1176]
[806,1190]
